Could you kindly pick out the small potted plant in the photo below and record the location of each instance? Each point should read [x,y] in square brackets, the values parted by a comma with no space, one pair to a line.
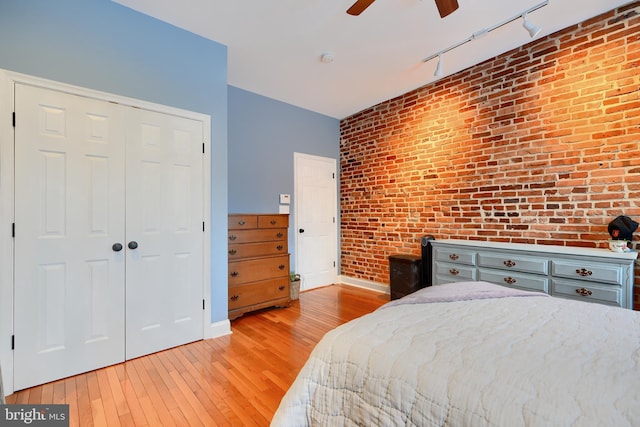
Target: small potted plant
[294,285]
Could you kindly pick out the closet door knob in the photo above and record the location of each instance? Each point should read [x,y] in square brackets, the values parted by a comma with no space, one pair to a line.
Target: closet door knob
[301,230]
[133,244]
[117,247]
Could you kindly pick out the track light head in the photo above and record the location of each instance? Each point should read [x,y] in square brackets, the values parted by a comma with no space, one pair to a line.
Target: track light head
[533,29]
[438,72]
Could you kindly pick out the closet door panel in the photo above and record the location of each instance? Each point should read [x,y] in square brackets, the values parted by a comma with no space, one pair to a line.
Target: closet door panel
[69,211]
[164,219]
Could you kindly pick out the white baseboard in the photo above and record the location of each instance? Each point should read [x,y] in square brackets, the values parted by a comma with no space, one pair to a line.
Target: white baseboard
[366,284]
[219,329]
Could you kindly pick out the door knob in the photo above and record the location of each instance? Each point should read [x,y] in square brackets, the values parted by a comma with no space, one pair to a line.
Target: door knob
[301,230]
[133,244]
[117,247]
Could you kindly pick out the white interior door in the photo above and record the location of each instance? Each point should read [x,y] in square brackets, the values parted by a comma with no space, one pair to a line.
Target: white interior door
[69,211]
[164,219]
[90,174]
[316,220]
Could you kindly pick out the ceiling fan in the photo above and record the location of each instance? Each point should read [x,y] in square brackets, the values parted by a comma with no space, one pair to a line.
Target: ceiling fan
[445,7]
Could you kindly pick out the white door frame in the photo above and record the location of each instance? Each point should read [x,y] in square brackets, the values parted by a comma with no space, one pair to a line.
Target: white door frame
[7,194]
[296,158]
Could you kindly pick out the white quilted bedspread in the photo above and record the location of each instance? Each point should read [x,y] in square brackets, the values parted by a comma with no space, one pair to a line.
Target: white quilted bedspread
[535,361]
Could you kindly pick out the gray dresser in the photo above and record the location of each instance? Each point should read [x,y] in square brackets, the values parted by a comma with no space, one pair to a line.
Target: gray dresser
[597,275]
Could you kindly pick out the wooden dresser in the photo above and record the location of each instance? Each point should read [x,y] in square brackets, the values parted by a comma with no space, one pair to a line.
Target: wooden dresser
[258,262]
[597,275]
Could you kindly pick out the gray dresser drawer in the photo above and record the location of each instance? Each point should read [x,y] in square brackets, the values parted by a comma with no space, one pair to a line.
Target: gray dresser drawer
[579,290]
[591,271]
[448,272]
[514,262]
[514,279]
[458,256]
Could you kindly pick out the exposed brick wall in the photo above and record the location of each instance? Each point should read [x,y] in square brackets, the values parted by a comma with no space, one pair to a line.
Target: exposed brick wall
[538,145]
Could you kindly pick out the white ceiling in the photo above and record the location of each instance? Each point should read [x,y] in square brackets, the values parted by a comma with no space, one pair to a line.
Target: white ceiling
[274,46]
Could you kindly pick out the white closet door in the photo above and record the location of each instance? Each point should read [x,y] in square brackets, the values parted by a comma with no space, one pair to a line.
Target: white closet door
[164,221]
[69,211]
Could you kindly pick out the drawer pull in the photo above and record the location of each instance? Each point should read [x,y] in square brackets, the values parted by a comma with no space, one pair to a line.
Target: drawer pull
[509,263]
[281,266]
[273,222]
[453,257]
[241,222]
[234,274]
[232,252]
[234,298]
[454,272]
[584,292]
[281,287]
[510,280]
[279,235]
[584,272]
[232,237]
[279,247]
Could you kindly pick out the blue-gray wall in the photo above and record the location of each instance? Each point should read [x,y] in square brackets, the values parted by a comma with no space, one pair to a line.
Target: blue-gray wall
[263,135]
[104,46]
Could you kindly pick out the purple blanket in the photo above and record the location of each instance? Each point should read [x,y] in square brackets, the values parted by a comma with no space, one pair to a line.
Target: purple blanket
[461,291]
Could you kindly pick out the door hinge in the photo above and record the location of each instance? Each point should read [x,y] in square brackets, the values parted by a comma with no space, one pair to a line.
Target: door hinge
[203,148]
[203,304]
[14,119]
[203,226]
[333,175]
[334,264]
[13,229]
[13,342]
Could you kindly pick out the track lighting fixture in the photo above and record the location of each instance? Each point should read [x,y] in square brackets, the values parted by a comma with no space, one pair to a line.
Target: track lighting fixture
[438,72]
[533,30]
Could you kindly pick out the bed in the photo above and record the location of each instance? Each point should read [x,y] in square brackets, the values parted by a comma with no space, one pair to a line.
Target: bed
[473,354]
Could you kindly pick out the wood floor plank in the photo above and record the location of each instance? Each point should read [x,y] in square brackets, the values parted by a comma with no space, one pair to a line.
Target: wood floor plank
[235,380]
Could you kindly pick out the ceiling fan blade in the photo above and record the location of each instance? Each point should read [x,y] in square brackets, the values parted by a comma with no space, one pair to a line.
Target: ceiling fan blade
[359,6]
[446,7]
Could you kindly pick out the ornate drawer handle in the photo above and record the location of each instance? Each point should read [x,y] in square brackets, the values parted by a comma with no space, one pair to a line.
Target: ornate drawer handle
[584,272]
[232,252]
[584,292]
[279,235]
[234,274]
[454,272]
[232,237]
[510,280]
[281,287]
[453,256]
[279,247]
[509,263]
[281,266]
[241,222]
[273,222]
[234,298]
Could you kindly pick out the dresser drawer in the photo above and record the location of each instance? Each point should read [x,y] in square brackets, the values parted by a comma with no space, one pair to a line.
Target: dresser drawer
[273,221]
[582,291]
[448,272]
[241,221]
[258,292]
[511,262]
[514,279]
[459,256]
[584,270]
[257,235]
[251,250]
[254,269]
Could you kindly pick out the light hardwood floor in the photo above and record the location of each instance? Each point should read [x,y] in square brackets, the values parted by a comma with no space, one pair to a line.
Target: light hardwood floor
[236,380]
